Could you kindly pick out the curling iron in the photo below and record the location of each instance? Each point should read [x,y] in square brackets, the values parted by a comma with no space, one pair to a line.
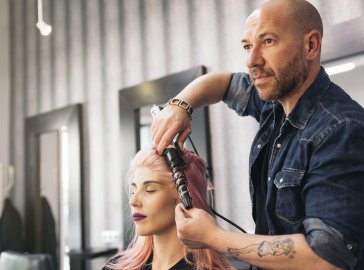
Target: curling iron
[177,164]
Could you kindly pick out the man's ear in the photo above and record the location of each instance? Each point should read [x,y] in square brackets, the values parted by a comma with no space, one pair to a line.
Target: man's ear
[313,41]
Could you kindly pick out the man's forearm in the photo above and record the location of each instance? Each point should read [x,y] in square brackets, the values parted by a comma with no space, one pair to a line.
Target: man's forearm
[270,252]
[205,90]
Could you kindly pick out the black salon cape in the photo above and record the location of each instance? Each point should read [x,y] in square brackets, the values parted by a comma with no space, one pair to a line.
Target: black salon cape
[181,265]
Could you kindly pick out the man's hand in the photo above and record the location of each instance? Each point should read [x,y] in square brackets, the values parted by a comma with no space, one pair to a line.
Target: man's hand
[168,123]
[173,120]
[195,227]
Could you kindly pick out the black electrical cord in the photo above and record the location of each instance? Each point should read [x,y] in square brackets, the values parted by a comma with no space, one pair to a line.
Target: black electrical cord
[227,220]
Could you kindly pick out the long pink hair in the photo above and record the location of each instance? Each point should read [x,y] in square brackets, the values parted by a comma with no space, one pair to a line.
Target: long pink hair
[141,247]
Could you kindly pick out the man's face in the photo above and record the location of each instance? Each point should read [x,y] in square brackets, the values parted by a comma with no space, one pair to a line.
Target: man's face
[275,54]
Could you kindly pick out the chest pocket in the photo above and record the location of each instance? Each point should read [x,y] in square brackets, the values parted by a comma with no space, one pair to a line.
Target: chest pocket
[289,206]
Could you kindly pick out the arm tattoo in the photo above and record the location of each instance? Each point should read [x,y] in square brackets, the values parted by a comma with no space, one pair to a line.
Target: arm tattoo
[274,248]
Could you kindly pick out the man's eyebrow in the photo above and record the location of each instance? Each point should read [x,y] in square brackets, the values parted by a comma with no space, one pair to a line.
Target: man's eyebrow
[260,36]
[244,40]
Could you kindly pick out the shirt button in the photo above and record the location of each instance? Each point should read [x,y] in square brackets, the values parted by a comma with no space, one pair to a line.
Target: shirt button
[349,246]
[268,178]
[279,145]
[259,146]
[281,180]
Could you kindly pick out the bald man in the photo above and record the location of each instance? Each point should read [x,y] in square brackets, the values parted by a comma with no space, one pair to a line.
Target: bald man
[307,159]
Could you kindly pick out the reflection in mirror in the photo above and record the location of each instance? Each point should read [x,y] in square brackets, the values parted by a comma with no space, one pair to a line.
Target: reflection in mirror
[54,207]
[145,121]
[50,191]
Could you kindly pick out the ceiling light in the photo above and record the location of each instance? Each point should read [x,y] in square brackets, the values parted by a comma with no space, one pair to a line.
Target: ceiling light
[340,68]
[44,28]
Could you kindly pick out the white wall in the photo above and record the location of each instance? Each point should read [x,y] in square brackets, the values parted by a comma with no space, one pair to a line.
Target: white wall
[4,96]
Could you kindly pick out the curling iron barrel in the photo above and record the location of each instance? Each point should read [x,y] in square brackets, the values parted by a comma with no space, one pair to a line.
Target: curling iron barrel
[177,165]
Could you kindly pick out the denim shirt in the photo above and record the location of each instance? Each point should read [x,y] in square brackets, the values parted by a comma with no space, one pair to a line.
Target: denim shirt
[315,182]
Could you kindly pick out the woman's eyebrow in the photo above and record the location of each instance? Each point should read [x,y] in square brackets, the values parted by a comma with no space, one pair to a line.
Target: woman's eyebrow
[147,182]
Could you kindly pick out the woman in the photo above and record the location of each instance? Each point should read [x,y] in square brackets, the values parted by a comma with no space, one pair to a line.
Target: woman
[153,198]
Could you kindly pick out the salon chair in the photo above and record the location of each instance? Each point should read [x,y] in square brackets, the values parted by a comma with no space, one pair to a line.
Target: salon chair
[79,258]
[10,228]
[11,260]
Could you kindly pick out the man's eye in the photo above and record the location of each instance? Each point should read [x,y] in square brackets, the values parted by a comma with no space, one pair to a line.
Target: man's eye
[247,47]
[268,41]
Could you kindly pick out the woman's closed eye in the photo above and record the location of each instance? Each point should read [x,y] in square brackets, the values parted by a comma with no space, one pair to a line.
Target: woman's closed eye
[149,187]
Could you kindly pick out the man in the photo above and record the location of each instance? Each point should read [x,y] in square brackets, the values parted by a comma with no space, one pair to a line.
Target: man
[307,159]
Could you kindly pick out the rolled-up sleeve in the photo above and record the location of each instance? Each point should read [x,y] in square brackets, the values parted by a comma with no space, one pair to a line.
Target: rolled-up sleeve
[238,94]
[242,97]
[329,244]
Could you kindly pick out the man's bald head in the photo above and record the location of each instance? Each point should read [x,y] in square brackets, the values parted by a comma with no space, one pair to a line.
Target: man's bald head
[302,13]
[283,40]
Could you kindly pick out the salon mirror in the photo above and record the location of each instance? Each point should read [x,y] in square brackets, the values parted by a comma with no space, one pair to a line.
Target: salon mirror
[135,119]
[54,208]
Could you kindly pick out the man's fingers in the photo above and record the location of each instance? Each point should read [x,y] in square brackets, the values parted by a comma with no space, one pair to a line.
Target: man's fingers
[157,133]
[181,214]
[162,139]
[182,137]
[166,139]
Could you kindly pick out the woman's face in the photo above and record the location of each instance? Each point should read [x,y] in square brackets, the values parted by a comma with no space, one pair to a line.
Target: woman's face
[152,202]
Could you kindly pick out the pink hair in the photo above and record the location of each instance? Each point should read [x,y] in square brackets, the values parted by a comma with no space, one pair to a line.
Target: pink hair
[141,247]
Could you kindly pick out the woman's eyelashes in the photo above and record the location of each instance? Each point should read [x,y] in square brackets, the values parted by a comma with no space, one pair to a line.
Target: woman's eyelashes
[149,188]
[132,193]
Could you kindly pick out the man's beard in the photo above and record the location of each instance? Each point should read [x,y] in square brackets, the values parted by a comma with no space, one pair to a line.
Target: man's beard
[286,79]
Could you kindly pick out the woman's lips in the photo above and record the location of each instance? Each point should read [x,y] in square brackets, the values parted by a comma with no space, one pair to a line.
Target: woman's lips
[137,217]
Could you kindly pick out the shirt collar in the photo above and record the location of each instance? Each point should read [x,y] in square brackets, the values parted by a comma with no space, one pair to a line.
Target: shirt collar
[307,103]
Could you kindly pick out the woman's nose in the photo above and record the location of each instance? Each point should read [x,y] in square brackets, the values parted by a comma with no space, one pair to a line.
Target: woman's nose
[134,200]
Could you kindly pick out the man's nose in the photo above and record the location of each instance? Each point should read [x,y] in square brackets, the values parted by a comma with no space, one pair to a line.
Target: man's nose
[255,58]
